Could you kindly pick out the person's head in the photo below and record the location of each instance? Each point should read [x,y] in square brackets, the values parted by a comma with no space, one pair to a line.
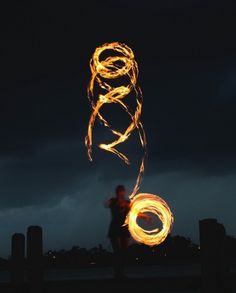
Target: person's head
[120,191]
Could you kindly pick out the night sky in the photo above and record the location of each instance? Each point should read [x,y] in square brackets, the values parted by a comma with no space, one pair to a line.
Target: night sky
[187,62]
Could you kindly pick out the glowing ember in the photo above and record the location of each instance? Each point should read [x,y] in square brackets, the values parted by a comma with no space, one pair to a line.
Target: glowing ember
[112,67]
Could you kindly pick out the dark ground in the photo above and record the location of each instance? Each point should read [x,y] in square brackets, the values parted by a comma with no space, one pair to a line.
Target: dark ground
[128,285]
[147,285]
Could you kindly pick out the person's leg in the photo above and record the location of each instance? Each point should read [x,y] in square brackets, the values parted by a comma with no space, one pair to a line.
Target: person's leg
[124,241]
[117,259]
[115,244]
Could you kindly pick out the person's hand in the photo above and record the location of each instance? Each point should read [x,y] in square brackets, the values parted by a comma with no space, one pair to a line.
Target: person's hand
[146,217]
[107,203]
[149,219]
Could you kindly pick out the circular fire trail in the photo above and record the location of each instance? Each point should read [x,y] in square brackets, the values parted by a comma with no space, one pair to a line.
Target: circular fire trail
[123,64]
[149,203]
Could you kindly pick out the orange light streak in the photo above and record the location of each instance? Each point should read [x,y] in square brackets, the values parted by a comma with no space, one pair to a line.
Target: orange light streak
[102,70]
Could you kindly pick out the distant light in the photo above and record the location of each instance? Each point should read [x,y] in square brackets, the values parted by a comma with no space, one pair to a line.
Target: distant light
[92,263]
[199,247]
[137,258]
[54,257]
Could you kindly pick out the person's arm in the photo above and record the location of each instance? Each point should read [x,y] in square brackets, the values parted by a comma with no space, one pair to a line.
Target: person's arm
[142,215]
[145,217]
[107,203]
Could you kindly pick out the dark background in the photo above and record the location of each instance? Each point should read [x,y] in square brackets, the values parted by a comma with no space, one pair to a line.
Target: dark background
[185,51]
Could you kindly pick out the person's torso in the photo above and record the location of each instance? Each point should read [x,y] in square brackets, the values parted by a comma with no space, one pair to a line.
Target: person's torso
[119,213]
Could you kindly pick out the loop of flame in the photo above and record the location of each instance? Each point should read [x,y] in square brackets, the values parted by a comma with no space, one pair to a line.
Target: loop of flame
[113,67]
[149,203]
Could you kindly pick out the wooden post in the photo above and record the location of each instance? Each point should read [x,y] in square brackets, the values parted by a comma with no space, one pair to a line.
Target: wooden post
[17,262]
[212,248]
[35,258]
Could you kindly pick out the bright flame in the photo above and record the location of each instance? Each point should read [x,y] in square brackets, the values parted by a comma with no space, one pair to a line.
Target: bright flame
[149,203]
[112,67]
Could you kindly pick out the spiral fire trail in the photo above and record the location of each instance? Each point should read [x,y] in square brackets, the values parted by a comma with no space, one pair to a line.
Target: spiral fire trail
[113,67]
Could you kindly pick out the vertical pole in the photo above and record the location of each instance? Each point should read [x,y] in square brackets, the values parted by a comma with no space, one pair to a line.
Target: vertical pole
[35,258]
[212,247]
[17,262]
[222,256]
